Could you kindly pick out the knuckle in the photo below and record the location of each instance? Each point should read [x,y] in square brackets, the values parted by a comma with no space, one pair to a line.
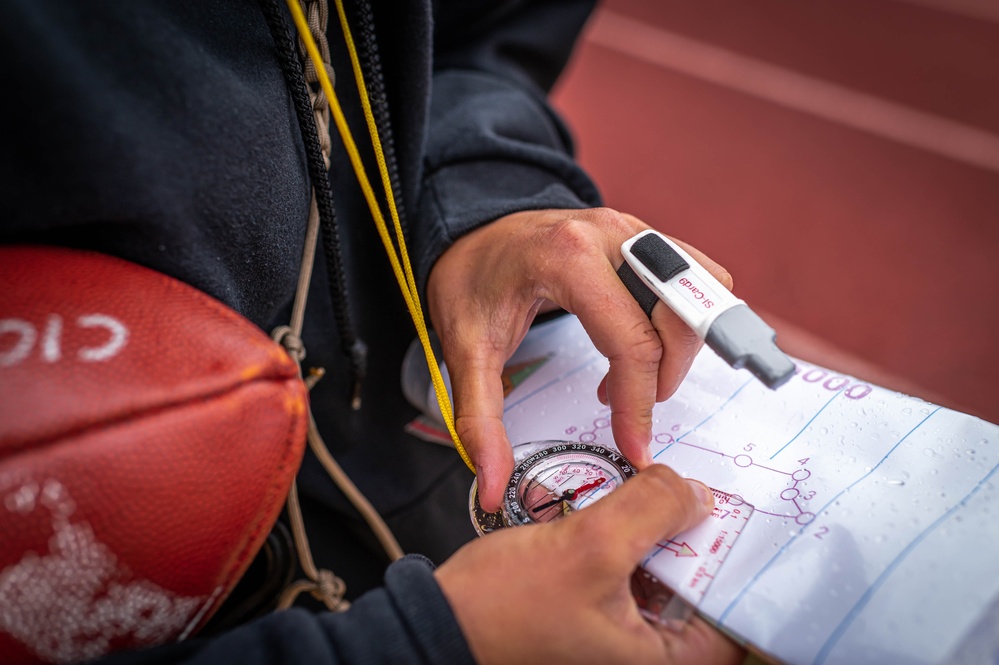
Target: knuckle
[473,429]
[616,225]
[684,341]
[466,427]
[609,219]
[672,491]
[646,348]
[585,230]
[569,237]
[662,477]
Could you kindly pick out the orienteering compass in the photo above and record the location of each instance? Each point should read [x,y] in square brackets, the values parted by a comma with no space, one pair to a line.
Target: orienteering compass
[552,479]
[559,478]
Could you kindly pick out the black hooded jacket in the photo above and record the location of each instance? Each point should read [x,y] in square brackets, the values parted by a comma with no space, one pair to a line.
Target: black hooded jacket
[164,132]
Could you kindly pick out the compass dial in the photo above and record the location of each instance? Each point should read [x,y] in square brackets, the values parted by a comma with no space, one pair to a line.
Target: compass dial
[551,480]
[554,478]
[561,478]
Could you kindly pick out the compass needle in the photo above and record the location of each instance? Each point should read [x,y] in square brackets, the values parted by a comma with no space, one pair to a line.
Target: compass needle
[553,502]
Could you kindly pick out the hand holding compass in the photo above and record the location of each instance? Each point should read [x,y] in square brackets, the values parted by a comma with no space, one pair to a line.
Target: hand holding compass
[553,479]
[560,590]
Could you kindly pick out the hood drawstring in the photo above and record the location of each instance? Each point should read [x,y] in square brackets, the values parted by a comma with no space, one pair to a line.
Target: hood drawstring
[372,67]
[312,110]
[395,248]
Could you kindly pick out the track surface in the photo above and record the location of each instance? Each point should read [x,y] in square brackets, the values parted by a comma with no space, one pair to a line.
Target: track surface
[839,157]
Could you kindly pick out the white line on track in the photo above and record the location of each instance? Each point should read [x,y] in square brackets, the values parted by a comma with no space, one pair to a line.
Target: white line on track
[796,91]
[987,10]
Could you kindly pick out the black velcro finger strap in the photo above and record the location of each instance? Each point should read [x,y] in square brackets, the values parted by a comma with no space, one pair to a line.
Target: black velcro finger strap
[662,261]
[646,298]
[657,255]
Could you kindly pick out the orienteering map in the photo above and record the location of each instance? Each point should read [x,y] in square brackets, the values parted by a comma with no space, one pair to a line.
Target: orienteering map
[875,533]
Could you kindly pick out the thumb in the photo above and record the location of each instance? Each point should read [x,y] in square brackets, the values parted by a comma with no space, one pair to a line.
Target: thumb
[478,403]
[657,503]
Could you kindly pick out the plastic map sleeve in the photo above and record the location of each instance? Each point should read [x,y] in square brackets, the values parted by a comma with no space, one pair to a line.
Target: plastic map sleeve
[875,533]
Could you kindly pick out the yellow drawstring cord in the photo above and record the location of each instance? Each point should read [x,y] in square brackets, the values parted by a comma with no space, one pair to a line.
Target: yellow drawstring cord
[402,269]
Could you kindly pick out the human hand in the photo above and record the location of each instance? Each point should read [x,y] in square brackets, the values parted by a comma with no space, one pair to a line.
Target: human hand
[485,290]
[560,591]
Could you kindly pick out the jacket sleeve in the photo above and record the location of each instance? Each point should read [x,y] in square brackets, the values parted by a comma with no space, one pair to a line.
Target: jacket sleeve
[494,145]
[406,621]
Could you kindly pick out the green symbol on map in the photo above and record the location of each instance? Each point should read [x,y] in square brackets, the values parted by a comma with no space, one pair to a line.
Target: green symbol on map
[514,375]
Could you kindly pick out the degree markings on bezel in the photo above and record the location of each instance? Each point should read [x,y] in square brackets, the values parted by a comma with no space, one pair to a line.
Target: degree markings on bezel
[550,462]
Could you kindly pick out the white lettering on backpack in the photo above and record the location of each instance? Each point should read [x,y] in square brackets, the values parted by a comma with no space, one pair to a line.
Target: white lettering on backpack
[52,339]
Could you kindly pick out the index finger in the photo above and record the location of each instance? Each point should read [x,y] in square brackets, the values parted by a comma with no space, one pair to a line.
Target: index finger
[584,281]
[622,333]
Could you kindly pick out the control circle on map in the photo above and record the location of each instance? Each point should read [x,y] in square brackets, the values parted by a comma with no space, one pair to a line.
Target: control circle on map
[556,478]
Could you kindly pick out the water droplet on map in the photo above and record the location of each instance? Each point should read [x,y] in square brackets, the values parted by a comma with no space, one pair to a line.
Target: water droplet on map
[982,442]
[823,431]
[907,411]
[896,483]
[932,454]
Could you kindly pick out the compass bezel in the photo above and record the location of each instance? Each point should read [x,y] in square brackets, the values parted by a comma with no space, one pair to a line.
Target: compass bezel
[516,513]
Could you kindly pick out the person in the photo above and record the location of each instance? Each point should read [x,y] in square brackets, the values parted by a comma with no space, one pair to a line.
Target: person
[167,133]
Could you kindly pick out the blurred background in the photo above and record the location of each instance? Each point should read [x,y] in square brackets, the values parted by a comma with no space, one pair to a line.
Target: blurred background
[839,157]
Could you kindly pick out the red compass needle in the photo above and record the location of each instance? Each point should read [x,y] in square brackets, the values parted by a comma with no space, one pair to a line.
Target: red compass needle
[572,494]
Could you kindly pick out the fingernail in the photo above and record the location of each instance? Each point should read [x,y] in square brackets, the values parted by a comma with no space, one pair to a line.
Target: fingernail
[702,493]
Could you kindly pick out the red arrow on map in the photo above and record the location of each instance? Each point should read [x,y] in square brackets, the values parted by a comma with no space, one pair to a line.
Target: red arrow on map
[678,549]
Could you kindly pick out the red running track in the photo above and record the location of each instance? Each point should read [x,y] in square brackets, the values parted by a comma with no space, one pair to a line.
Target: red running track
[839,157]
